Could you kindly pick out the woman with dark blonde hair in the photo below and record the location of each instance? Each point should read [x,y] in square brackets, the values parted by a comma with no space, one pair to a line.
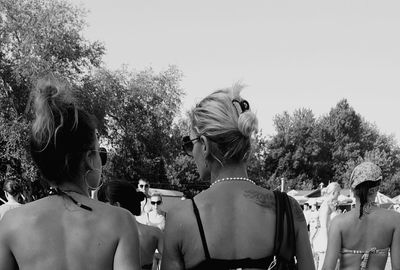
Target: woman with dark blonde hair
[232,224]
[67,230]
[362,238]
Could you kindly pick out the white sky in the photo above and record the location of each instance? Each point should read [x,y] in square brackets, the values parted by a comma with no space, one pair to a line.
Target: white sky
[291,54]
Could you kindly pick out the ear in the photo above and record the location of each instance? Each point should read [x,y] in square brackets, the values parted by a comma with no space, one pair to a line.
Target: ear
[89,160]
[205,142]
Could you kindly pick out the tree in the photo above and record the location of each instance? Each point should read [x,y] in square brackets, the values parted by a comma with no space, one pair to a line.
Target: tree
[137,109]
[36,37]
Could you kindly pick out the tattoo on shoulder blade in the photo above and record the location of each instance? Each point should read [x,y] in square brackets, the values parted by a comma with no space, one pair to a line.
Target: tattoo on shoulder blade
[266,200]
[297,211]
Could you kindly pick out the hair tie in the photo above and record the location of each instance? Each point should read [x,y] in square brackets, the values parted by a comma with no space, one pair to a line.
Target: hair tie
[244,105]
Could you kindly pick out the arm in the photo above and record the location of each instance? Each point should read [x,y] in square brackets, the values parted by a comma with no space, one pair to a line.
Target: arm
[334,245]
[160,242]
[127,252]
[303,247]
[172,257]
[7,260]
[395,247]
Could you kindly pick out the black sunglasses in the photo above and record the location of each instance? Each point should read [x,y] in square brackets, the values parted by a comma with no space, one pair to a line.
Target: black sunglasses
[144,186]
[157,202]
[187,145]
[103,155]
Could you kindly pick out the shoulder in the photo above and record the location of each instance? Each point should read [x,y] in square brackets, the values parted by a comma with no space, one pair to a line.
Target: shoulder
[261,196]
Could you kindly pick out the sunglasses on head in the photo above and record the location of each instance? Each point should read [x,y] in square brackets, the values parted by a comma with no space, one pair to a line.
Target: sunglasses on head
[156,202]
[144,186]
[187,145]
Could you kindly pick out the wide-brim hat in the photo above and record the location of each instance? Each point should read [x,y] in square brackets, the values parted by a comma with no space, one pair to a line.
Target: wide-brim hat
[366,171]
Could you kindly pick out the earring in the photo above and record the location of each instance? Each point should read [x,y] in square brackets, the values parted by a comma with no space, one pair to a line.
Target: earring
[85,178]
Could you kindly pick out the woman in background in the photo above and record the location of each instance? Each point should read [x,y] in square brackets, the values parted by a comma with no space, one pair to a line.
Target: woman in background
[232,224]
[156,217]
[12,190]
[123,194]
[361,238]
[325,215]
[67,230]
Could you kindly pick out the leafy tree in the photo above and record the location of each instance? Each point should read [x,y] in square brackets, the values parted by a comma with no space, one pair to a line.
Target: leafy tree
[137,111]
[36,37]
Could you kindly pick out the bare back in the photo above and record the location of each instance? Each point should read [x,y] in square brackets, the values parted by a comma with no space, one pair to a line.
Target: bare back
[54,233]
[238,220]
[378,229]
[374,230]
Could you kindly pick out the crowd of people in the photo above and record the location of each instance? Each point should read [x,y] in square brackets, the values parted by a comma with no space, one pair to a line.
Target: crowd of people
[234,224]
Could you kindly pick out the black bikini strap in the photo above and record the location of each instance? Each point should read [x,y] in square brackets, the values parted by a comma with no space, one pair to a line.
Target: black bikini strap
[202,235]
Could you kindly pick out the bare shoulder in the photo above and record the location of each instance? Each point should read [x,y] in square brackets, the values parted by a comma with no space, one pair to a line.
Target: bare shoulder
[181,211]
[261,196]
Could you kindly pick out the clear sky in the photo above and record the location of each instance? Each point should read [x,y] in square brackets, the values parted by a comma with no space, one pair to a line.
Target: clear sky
[291,54]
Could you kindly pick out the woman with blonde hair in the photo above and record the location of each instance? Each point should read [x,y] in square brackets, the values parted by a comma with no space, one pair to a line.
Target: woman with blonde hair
[328,208]
[67,230]
[231,224]
[362,238]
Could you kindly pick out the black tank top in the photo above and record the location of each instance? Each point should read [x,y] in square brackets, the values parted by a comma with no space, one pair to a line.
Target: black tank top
[210,263]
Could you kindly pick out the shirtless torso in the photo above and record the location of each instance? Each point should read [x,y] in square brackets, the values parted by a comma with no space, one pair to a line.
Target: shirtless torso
[54,233]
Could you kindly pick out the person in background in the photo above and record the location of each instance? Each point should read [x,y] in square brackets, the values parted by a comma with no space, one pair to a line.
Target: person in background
[307,212]
[123,194]
[156,217]
[67,230]
[231,224]
[362,237]
[12,190]
[325,212]
[313,218]
[144,187]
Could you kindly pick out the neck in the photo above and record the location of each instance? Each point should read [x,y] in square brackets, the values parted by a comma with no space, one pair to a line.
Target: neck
[229,170]
[72,187]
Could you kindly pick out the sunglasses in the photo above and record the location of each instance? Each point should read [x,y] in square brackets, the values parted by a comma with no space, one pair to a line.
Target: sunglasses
[157,202]
[187,145]
[103,155]
[144,186]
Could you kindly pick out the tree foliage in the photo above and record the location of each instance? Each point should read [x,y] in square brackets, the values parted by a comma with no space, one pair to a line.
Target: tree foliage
[307,151]
[36,37]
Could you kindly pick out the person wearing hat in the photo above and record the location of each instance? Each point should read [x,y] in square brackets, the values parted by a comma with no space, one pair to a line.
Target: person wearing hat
[361,238]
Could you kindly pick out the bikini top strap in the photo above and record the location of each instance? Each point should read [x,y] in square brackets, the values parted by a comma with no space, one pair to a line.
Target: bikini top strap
[202,235]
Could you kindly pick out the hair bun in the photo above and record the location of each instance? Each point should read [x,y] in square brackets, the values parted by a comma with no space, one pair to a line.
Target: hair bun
[247,123]
[51,96]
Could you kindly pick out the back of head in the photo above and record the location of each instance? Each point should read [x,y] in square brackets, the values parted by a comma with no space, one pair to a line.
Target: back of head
[61,132]
[12,187]
[225,118]
[331,188]
[365,180]
[122,192]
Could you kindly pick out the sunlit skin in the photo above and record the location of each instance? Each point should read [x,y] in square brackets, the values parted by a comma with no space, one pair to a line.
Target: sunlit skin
[232,230]
[54,233]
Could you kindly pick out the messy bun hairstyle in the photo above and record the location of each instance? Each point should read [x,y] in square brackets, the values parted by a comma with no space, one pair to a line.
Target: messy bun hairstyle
[228,125]
[61,132]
